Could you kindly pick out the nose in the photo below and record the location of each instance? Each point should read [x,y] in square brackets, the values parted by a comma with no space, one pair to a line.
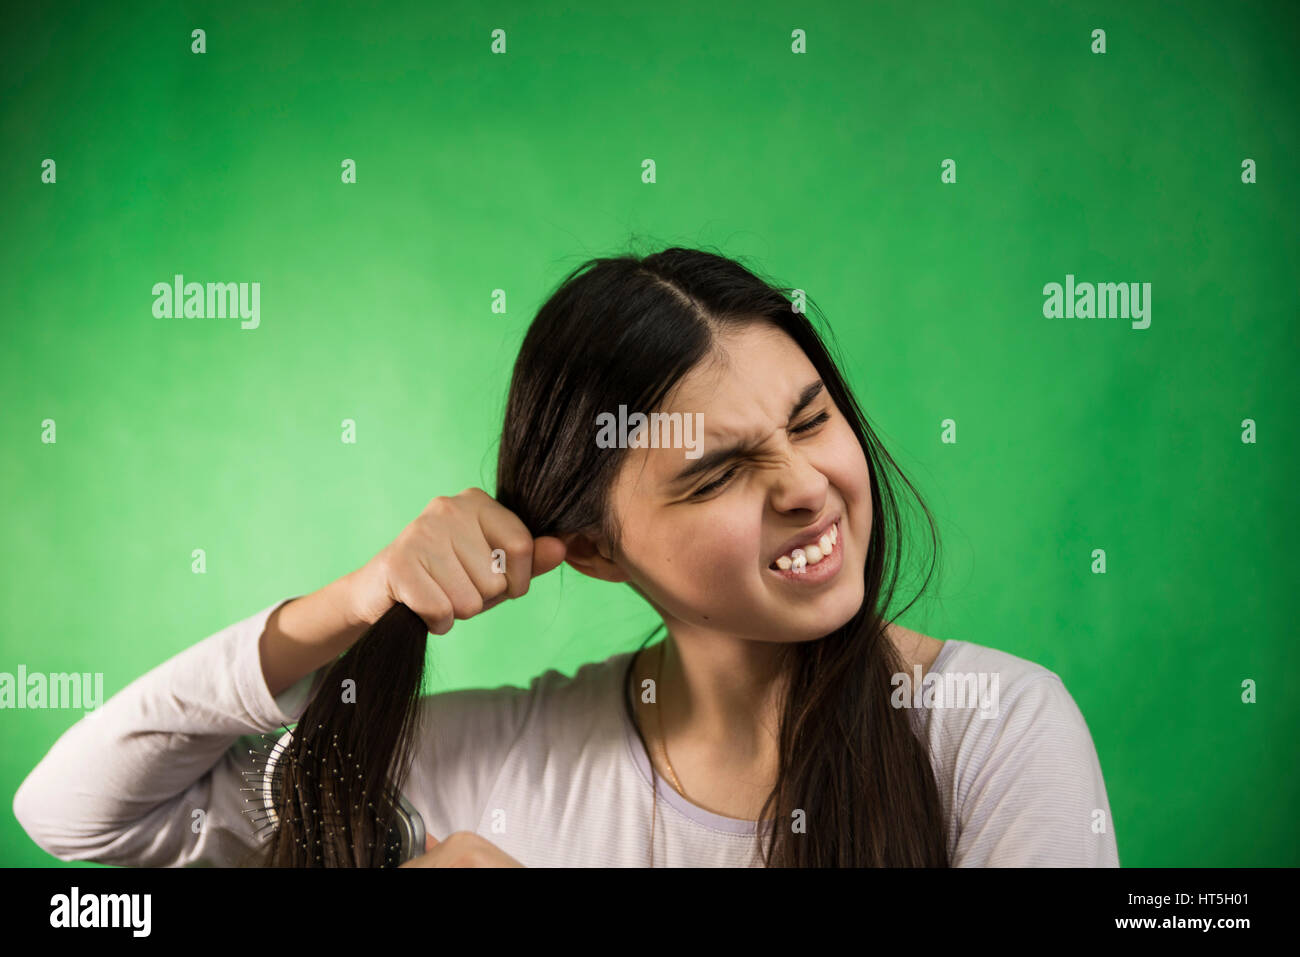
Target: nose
[800,485]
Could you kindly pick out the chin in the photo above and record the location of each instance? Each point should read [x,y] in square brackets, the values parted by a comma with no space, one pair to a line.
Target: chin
[834,617]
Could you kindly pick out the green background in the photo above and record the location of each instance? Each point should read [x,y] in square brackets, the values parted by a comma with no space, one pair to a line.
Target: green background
[478,172]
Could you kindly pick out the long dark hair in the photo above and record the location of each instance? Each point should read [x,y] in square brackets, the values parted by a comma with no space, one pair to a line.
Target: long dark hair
[624,330]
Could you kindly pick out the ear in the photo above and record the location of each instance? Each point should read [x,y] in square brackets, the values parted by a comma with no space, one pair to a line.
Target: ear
[590,557]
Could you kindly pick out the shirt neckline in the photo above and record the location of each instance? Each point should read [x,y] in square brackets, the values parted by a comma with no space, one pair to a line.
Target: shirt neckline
[667,793]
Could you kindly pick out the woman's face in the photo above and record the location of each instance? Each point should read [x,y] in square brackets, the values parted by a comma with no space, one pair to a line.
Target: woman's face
[702,552]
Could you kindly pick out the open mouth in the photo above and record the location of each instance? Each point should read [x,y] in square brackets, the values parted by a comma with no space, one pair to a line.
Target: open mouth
[818,548]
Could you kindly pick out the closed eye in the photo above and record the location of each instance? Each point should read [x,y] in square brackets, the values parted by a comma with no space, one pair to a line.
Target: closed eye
[812,423]
[726,476]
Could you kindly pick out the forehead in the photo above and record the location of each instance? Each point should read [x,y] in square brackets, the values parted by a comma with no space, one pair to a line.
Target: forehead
[748,365]
[744,391]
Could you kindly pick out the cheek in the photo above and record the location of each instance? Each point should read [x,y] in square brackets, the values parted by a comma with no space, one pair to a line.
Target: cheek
[849,458]
[851,473]
[706,566]
[850,464]
[698,582]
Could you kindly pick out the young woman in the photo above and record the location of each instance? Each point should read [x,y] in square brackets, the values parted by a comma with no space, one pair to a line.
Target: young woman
[775,723]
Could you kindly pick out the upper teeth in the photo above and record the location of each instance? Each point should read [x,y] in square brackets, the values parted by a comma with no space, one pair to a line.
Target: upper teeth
[800,558]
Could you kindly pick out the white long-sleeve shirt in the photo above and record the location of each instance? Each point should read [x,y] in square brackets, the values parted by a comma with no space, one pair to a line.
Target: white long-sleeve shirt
[553,774]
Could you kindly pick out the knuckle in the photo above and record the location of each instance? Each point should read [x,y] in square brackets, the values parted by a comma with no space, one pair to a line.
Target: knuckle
[434,611]
[441,608]
[470,607]
[519,548]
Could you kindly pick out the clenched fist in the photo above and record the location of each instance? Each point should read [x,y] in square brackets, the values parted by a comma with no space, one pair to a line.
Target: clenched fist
[442,565]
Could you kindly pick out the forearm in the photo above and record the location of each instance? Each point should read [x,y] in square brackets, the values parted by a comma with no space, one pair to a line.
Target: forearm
[125,784]
[306,633]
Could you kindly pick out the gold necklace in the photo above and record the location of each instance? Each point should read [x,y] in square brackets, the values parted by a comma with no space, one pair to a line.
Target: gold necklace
[654,791]
[663,746]
[663,742]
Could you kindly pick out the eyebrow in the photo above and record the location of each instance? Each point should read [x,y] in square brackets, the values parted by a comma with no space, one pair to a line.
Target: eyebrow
[711,460]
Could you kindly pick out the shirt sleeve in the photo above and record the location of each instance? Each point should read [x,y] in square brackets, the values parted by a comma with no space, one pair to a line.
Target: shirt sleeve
[1037,799]
[158,775]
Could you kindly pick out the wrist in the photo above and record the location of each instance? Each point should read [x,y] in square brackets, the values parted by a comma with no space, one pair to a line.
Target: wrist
[342,594]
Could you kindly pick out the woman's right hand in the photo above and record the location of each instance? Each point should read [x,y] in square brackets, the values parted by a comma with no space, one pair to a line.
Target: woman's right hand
[462,849]
[442,565]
